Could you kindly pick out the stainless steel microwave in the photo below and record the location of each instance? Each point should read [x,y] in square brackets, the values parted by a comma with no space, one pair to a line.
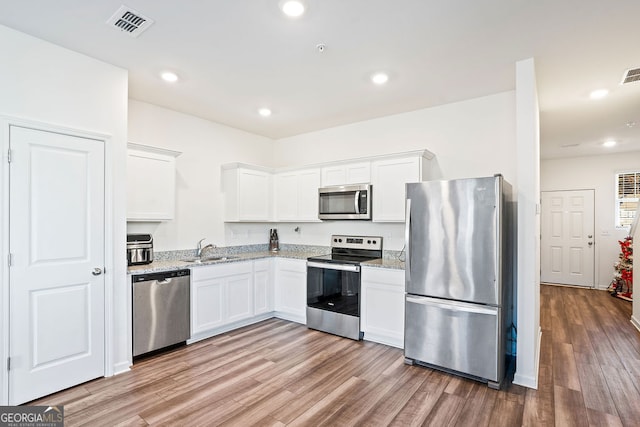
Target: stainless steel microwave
[345,202]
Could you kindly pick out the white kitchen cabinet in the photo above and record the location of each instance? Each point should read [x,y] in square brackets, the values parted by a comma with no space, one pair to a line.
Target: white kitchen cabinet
[297,195]
[290,282]
[388,179]
[220,295]
[262,286]
[382,309]
[350,173]
[151,183]
[247,193]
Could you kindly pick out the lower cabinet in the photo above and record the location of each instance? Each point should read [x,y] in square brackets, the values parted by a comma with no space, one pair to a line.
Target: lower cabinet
[220,294]
[262,286]
[290,282]
[382,309]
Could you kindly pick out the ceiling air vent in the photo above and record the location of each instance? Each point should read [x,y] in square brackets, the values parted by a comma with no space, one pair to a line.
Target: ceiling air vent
[131,22]
[631,76]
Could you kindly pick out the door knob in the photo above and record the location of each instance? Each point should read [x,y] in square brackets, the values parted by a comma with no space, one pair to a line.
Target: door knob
[96,271]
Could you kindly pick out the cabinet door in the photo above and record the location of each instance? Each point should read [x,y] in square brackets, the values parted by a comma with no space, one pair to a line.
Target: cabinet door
[382,310]
[291,289]
[254,195]
[262,289]
[151,183]
[239,297]
[308,184]
[207,304]
[388,180]
[334,175]
[287,196]
[351,173]
[358,173]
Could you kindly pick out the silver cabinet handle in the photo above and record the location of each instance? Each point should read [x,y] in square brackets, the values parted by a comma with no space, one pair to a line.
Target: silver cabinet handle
[96,271]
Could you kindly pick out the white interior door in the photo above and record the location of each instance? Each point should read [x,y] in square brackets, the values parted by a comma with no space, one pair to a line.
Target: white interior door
[56,241]
[567,237]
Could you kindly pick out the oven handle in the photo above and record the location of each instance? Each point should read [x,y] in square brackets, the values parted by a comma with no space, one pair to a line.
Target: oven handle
[328,266]
[357,202]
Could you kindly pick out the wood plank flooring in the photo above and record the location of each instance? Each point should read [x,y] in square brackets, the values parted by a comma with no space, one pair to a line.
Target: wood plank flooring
[278,373]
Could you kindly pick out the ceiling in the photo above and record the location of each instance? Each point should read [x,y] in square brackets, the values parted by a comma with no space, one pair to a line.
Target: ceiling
[236,56]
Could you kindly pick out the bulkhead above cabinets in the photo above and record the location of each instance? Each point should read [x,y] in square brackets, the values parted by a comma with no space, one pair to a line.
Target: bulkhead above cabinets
[151,183]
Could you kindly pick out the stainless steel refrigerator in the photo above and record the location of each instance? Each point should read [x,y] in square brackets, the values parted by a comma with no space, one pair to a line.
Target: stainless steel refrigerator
[459,276]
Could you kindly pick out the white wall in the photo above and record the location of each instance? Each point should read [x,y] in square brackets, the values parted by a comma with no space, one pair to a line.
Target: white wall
[528,163]
[205,146]
[598,173]
[42,82]
[470,138]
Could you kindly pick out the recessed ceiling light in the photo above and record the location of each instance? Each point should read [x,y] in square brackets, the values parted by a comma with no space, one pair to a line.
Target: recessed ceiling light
[599,94]
[609,143]
[379,78]
[264,112]
[170,77]
[292,8]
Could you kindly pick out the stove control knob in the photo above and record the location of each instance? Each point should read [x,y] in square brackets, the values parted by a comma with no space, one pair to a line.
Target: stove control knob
[369,242]
[340,240]
[335,240]
[374,242]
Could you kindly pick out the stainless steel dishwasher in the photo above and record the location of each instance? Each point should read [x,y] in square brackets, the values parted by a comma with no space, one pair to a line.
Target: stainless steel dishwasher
[161,314]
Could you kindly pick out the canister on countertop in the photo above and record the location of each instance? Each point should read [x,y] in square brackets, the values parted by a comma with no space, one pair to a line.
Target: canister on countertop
[274,244]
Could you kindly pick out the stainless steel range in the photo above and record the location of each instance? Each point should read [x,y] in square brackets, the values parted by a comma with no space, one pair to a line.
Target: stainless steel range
[333,285]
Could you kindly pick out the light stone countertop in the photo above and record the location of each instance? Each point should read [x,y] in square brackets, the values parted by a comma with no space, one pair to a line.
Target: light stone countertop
[175,260]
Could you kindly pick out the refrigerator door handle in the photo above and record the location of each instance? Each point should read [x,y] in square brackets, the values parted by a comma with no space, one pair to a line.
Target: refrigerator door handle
[407,242]
[453,305]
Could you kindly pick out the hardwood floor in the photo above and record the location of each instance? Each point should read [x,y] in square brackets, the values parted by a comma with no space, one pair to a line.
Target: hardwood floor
[279,373]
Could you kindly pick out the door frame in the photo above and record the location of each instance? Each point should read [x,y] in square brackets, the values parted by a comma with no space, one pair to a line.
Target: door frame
[109,278]
[596,246]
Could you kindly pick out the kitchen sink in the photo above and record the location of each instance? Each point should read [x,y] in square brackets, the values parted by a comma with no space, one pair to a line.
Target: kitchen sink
[209,259]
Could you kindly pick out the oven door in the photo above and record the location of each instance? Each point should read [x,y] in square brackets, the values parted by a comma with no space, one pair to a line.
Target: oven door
[334,287]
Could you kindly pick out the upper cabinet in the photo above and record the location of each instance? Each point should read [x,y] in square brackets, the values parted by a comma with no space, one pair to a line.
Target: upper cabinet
[388,179]
[344,174]
[151,183]
[257,194]
[297,195]
[247,193]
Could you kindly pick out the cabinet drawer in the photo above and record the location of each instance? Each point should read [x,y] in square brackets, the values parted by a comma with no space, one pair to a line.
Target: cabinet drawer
[220,270]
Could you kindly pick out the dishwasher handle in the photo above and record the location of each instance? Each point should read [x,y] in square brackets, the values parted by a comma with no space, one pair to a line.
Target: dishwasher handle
[161,276]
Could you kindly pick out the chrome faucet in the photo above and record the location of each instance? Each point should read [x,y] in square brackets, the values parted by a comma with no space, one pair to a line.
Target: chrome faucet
[201,249]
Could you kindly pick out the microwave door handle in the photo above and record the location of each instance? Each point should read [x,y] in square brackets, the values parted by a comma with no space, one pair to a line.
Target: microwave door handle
[357,202]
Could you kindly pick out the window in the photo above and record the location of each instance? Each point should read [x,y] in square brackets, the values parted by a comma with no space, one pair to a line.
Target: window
[627,196]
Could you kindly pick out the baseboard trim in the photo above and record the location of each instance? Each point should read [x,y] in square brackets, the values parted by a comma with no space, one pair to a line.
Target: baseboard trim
[389,340]
[291,317]
[122,367]
[635,322]
[229,327]
[530,381]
